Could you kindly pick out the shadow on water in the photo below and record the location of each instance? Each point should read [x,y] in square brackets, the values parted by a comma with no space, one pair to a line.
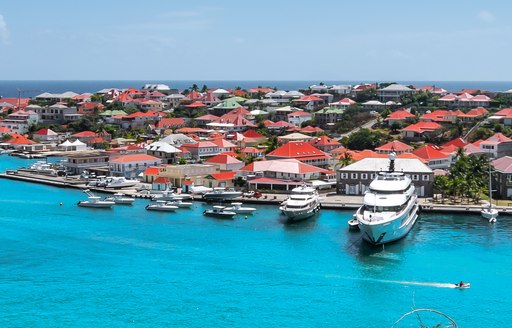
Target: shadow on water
[297,226]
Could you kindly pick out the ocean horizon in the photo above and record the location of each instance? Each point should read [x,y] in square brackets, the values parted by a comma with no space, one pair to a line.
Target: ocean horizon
[31,88]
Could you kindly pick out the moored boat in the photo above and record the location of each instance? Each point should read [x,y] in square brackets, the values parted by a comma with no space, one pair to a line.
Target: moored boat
[240,209]
[303,203]
[390,207]
[120,182]
[162,206]
[220,212]
[120,198]
[94,201]
[221,194]
[179,203]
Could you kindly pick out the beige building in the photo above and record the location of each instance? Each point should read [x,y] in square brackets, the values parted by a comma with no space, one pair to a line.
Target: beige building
[191,172]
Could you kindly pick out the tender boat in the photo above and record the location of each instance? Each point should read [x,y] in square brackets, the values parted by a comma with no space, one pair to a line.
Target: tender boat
[95,201]
[219,211]
[390,207]
[179,203]
[237,208]
[120,182]
[489,212]
[121,199]
[303,203]
[221,194]
[161,205]
[353,224]
[170,195]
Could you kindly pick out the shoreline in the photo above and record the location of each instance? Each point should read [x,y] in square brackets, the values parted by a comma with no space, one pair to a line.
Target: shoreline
[329,201]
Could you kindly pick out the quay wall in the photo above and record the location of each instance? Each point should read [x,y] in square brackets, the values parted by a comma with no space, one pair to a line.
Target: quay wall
[339,202]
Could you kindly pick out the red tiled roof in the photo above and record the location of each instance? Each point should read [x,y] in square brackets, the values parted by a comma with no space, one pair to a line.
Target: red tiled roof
[252,134]
[399,115]
[294,149]
[196,104]
[207,117]
[223,176]
[85,134]
[395,145]
[18,139]
[311,129]
[299,113]
[170,122]
[222,143]
[422,127]
[457,142]
[223,159]
[161,180]
[324,141]
[252,150]
[152,170]
[429,152]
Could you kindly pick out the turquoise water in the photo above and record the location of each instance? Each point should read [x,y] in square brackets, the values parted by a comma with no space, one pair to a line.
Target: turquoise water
[64,266]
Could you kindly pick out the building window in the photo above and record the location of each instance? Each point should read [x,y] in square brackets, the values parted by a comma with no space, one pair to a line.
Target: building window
[353,175]
[415,177]
[425,177]
[344,175]
[364,176]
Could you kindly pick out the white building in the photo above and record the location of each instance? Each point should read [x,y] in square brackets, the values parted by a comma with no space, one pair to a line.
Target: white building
[130,166]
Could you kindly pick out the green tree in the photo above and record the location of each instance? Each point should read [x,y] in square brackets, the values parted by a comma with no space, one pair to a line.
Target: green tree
[365,139]
[344,160]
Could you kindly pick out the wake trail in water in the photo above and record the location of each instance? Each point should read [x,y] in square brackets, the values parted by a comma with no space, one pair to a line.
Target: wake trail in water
[400,282]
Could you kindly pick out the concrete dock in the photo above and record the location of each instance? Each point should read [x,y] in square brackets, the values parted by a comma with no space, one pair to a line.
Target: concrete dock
[329,200]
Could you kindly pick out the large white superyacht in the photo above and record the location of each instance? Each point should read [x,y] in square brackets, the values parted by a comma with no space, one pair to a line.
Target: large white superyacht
[390,207]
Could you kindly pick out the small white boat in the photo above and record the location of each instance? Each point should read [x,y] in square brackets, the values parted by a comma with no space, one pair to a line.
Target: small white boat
[180,204]
[353,225]
[95,201]
[120,182]
[219,211]
[170,195]
[121,199]
[161,206]
[237,208]
[221,194]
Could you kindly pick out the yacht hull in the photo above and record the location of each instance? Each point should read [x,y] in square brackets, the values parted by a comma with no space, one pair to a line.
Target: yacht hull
[378,233]
[293,216]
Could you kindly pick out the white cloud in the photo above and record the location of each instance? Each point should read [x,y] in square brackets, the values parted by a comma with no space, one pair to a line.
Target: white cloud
[4,33]
[486,16]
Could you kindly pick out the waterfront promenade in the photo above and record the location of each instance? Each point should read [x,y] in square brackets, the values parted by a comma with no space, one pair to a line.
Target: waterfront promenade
[329,200]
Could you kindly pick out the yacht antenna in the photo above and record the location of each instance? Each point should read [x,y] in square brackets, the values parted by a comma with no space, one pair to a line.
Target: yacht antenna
[392,157]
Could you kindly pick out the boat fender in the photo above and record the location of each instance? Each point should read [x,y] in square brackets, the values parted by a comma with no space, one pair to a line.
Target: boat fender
[204,212]
[420,208]
[245,217]
[60,204]
[146,206]
[79,202]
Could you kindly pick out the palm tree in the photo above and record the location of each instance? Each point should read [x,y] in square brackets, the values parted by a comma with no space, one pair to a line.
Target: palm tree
[344,160]
[272,143]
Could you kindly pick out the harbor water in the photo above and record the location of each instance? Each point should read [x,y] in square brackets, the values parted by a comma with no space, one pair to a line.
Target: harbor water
[65,266]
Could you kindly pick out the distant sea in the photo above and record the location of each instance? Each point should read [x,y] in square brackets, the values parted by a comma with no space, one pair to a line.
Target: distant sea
[30,88]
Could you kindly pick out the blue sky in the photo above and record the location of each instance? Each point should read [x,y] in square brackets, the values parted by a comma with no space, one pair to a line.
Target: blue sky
[256,40]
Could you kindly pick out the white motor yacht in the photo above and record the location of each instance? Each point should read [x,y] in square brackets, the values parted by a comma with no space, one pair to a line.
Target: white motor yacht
[221,194]
[303,203]
[95,201]
[170,195]
[120,182]
[161,205]
[390,207]
[180,203]
[120,198]
[240,209]
[219,211]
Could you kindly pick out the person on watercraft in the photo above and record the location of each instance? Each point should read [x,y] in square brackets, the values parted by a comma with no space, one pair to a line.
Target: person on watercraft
[461,283]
